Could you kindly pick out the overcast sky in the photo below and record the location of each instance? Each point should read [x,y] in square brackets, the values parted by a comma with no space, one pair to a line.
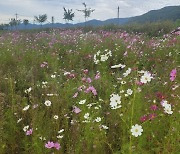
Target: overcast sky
[104,9]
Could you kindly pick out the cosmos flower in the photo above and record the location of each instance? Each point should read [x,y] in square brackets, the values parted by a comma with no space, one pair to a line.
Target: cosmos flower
[115,101]
[129,92]
[173,74]
[98,119]
[57,146]
[47,103]
[146,77]
[56,117]
[26,108]
[82,101]
[154,107]
[29,132]
[49,145]
[136,130]
[76,110]
[118,66]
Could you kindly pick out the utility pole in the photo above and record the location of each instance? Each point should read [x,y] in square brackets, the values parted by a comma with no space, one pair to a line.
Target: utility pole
[16,22]
[118,15]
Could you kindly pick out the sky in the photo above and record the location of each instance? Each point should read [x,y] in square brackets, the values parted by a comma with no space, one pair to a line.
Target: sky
[104,9]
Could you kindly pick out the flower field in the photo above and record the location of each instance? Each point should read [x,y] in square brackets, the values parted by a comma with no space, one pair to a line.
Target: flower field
[103,92]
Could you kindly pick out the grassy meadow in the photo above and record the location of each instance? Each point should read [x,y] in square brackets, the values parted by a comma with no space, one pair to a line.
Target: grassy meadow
[97,92]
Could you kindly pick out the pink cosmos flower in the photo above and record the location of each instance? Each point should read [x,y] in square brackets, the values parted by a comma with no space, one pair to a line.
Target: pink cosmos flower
[173,75]
[97,76]
[139,83]
[91,89]
[76,110]
[152,116]
[57,146]
[29,132]
[85,71]
[153,107]
[49,145]
[75,95]
[143,118]
[88,80]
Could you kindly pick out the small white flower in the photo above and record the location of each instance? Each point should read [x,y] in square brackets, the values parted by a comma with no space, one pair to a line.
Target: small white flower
[104,57]
[26,108]
[82,101]
[47,103]
[56,117]
[123,82]
[19,120]
[25,128]
[168,110]
[98,119]
[127,72]
[86,116]
[146,77]
[60,136]
[28,90]
[129,92]
[118,66]
[60,131]
[136,130]
[104,127]
[115,101]
[53,76]
[122,91]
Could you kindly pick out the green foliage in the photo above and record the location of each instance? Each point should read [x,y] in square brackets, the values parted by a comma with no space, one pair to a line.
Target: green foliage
[42,60]
[25,22]
[68,14]
[41,18]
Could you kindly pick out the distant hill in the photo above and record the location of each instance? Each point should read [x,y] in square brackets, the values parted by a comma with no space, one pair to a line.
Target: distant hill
[166,13]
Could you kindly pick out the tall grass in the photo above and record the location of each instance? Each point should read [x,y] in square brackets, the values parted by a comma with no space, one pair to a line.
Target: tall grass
[56,65]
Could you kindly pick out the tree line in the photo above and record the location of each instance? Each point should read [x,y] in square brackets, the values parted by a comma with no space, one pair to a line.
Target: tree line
[68,16]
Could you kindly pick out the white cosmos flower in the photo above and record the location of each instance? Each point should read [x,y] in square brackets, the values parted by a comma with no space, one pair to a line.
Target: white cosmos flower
[136,130]
[104,57]
[168,110]
[60,131]
[56,117]
[47,103]
[86,116]
[115,101]
[118,66]
[60,136]
[53,76]
[26,108]
[129,92]
[28,90]
[25,128]
[82,101]
[146,77]
[127,72]
[98,119]
[104,127]
[19,120]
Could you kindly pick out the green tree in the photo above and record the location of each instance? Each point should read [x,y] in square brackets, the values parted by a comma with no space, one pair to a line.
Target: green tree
[13,23]
[41,18]
[68,14]
[25,22]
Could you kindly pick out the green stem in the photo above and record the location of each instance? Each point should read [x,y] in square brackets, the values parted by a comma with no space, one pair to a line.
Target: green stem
[132,114]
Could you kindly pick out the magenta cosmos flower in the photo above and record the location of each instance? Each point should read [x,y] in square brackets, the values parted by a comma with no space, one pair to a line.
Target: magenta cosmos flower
[173,74]
[76,110]
[57,146]
[49,145]
[29,132]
